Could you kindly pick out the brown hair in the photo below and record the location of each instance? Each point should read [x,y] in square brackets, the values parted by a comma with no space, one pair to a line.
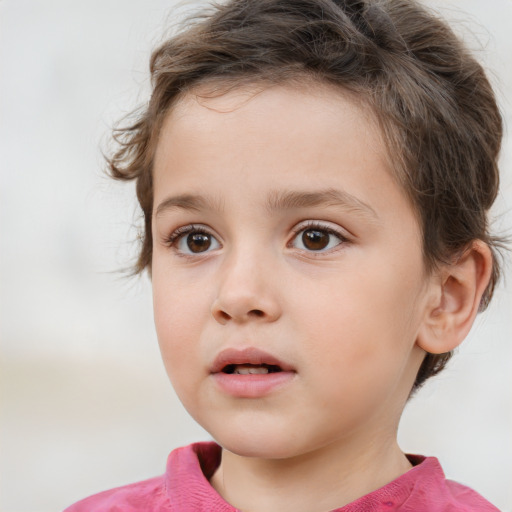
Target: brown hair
[432,99]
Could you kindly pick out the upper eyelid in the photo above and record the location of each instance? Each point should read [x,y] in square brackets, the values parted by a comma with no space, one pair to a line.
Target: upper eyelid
[321,225]
[189,228]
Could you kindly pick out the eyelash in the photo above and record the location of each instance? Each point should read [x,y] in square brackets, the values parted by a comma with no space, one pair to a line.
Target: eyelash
[315,225]
[172,240]
[177,234]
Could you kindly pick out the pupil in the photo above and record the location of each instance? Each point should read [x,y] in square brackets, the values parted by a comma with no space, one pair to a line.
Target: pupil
[315,240]
[198,242]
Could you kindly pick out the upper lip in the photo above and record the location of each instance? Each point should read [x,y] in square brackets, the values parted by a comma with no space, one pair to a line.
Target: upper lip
[249,355]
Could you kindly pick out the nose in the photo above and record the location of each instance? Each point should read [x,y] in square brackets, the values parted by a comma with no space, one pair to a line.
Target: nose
[247,292]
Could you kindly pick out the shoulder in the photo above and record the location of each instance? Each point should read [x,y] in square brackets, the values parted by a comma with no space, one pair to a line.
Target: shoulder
[468,500]
[184,486]
[148,496]
[424,488]
[433,492]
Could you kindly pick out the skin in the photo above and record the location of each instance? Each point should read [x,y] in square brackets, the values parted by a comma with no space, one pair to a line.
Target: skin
[348,318]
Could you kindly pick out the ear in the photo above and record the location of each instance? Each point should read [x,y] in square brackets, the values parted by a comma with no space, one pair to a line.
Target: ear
[455,300]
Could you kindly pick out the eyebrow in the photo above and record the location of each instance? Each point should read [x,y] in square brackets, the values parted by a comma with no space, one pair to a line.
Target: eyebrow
[277,200]
[189,202]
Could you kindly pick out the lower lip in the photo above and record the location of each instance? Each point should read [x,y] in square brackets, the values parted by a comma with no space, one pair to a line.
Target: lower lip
[252,385]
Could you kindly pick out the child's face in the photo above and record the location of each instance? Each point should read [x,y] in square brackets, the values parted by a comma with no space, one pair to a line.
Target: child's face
[278,226]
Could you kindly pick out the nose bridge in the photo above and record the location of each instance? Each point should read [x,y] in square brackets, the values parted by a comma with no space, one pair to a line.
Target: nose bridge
[246,288]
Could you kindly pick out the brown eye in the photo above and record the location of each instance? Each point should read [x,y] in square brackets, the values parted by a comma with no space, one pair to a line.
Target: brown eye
[199,242]
[315,240]
[191,239]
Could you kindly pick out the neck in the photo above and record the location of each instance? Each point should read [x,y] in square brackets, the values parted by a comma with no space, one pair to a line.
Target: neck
[327,478]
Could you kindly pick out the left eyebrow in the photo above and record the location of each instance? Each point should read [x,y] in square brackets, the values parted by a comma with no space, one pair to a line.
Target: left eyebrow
[329,197]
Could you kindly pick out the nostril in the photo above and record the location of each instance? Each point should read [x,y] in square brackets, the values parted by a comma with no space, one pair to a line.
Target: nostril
[237,313]
[224,315]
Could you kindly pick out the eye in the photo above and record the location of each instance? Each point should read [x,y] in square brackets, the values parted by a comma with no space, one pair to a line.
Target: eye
[192,240]
[317,238]
[197,242]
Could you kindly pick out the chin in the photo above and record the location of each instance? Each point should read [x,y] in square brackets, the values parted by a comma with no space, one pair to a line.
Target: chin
[258,443]
[263,450]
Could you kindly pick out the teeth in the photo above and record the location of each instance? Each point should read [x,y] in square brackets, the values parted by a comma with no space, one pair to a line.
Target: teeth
[245,370]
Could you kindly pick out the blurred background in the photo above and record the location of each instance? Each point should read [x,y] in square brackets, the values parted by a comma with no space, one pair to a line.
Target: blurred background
[85,404]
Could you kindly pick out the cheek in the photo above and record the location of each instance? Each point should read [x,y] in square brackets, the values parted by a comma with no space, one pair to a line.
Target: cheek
[364,325]
[177,302]
[177,317]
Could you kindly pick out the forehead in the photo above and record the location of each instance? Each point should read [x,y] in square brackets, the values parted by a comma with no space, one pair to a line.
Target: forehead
[309,114]
[297,95]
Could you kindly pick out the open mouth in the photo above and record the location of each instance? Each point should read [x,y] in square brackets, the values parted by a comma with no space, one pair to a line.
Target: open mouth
[250,369]
[248,361]
[250,372]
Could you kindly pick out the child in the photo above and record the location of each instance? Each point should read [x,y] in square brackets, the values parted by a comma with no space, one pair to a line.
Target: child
[315,177]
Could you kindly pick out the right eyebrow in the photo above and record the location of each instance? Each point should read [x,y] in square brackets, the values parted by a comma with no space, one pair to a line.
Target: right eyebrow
[188,202]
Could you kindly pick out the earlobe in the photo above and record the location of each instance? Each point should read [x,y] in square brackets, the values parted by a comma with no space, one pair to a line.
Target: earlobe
[456,297]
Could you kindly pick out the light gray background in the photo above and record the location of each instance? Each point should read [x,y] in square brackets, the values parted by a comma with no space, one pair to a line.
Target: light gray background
[85,402]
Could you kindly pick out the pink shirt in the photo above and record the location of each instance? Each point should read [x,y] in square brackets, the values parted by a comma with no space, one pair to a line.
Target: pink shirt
[185,488]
